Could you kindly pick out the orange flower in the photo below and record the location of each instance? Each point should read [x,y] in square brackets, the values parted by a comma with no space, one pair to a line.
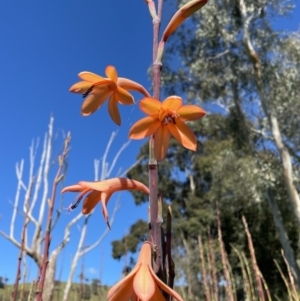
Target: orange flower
[101,191]
[97,89]
[183,13]
[141,283]
[166,118]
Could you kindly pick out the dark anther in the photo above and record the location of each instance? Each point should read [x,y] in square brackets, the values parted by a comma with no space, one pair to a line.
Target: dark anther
[88,91]
[76,204]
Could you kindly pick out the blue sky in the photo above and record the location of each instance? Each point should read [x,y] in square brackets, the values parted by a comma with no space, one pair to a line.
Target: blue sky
[44,45]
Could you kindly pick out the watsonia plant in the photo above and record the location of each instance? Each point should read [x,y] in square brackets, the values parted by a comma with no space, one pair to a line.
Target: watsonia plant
[152,277]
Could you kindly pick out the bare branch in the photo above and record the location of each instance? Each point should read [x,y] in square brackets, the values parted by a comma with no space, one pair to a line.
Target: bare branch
[66,238]
[46,171]
[124,173]
[19,172]
[100,239]
[96,168]
[59,175]
[123,147]
[75,259]
[38,182]
[104,162]
[23,242]
[80,251]
[218,55]
[16,243]
[43,177]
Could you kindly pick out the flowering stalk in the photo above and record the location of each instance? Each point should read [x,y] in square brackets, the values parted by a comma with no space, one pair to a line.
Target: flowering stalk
[57,179]
[165,119]
[155,225]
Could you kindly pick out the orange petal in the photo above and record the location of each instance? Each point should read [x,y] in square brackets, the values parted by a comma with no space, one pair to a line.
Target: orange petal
[111,73]
[94,100]
[128,84]
[143,283]
[161,142]
[123,96]
[190,112]
[158,296]
[150,105]
[183,13]
[183,134]
[73,188]
[113,110]
[105,82]
[115,184]
[118,184]
[80,87]
[164,287]
[145,253]
[125,282]
[124,293]
[97,185]
[90,77]
[91,200]
[173,103]
[144,127]
[105,197]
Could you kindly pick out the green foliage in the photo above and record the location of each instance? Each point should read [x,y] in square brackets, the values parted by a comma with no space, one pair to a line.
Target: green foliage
[2,284]
[236,162]
[95,284]
[87,292]
[130,242]
[57,294]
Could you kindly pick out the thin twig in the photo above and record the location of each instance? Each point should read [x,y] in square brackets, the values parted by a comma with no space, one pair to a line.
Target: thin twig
[203,269]
[224,260]
[57,179]
[257,271]
[24,230]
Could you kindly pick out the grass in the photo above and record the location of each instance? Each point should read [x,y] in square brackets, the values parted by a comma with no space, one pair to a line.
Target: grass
[24,292]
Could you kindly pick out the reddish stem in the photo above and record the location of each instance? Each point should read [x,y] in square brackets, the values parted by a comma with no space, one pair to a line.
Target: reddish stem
[155,228]
[26,220]
[224,260]
[257,272]
[57,179]
[156,66]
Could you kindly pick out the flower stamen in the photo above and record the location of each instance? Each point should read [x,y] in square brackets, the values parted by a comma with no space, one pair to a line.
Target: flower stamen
[88,91]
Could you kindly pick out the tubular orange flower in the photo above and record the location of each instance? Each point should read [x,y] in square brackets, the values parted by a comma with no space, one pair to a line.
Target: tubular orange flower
[141,283]
[183,13]
[97,89]
[166,118]
[101,191]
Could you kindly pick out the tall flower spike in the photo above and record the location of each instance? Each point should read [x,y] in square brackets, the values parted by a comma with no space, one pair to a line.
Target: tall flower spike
[97,89]
[101,191]
[166,118]
[141,283]
[183,13]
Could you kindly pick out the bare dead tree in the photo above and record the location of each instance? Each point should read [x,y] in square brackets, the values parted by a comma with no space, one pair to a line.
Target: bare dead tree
[39,202]
[40,196]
